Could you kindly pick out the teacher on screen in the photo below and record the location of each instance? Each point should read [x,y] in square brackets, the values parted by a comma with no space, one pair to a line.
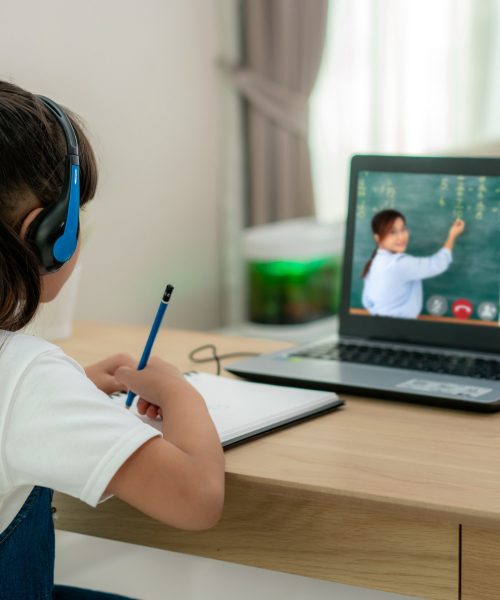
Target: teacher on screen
[392,279]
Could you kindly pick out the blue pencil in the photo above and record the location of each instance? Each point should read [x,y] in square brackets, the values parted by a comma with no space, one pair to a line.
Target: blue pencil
[152,336]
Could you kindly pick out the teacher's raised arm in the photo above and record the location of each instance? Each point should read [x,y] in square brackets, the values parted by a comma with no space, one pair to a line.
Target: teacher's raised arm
[455,230]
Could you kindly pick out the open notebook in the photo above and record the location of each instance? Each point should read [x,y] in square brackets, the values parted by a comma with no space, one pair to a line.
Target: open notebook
[242,409]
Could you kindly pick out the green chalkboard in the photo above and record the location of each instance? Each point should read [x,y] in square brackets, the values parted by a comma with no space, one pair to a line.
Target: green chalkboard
[430,204]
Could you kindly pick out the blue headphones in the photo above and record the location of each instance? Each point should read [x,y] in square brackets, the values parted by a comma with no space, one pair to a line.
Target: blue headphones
[53,234]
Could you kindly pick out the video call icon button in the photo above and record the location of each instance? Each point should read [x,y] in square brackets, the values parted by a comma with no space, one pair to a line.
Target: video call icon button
[462,308]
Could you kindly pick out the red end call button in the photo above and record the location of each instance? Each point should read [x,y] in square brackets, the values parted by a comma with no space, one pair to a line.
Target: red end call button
[462,309]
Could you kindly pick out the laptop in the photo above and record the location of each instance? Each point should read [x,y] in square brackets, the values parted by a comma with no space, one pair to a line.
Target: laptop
[422,325]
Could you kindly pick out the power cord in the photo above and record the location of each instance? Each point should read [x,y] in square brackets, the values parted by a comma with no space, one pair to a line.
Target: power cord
[215,357]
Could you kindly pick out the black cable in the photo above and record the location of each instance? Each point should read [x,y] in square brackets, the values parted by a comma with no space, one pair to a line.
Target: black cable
[215,356]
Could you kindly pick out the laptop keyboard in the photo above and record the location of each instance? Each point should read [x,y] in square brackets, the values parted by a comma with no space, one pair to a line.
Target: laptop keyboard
[449,364]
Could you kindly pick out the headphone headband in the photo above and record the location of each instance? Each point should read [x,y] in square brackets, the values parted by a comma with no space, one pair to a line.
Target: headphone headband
[64,122]
[53,234]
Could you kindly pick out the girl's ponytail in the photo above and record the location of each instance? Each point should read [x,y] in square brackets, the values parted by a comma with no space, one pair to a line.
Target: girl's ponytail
[367,266]
[20,285]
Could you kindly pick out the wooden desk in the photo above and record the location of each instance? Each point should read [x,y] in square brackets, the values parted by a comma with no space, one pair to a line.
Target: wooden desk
[380,494]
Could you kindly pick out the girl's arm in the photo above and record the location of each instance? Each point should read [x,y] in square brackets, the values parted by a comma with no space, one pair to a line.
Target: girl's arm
[177,479]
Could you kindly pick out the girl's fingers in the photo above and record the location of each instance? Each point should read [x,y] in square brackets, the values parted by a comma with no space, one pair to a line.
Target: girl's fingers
[119,360]
[112,385]
[142,406]
[152,411]
[146,408]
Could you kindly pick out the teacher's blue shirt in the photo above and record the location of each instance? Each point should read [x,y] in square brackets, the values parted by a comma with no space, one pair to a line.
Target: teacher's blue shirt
[393,286]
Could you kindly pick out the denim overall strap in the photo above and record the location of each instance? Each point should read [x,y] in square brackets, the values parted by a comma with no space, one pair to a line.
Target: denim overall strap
[27,550]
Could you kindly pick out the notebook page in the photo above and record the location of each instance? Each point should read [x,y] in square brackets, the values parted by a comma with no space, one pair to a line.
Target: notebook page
[239,407]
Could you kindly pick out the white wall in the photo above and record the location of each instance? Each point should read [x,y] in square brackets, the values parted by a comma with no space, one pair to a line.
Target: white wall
[143,77]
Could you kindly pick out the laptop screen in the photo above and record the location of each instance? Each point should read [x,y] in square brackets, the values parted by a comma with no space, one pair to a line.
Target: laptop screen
[423,247]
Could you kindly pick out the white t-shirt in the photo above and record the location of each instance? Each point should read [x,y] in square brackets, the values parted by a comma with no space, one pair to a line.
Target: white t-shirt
[57,429]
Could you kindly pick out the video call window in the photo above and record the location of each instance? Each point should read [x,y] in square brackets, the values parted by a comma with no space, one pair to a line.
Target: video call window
[427,246]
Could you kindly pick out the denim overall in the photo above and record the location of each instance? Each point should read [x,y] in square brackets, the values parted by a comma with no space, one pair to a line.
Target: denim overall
[27,554]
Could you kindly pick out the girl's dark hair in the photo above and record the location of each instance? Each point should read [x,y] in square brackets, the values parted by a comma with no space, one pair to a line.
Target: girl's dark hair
[32,153]
[382,223]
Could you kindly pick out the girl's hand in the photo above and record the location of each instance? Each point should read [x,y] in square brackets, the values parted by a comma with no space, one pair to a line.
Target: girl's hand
[102,373]
[457,228]
[153,384]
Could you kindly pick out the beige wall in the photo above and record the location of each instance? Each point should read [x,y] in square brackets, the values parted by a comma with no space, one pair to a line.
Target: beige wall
[143,76]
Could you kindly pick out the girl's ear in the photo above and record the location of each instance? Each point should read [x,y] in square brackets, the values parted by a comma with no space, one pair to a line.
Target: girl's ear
[28,219]
[376,237]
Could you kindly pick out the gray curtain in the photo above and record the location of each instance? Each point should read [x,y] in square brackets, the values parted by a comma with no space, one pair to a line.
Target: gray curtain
[282,46]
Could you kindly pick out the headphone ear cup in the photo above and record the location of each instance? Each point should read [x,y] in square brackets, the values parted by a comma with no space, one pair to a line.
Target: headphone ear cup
[53,234]
[44,231]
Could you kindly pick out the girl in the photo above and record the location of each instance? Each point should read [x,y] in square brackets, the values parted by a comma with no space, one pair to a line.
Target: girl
[392,279]
[58,428]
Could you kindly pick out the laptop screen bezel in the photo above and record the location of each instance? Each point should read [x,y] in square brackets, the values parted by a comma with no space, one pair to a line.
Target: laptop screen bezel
[411,331]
